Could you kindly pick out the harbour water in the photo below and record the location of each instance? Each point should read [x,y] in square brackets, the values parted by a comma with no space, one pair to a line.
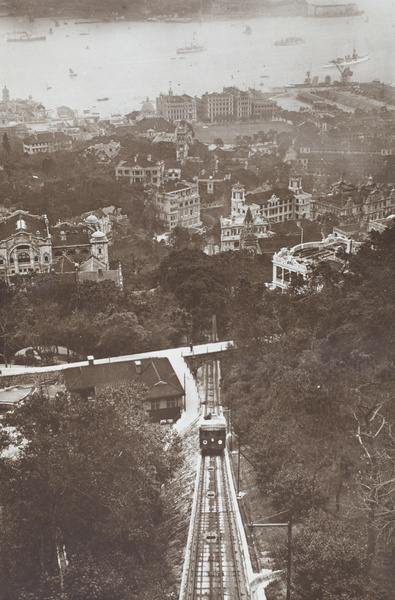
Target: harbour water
[129,61]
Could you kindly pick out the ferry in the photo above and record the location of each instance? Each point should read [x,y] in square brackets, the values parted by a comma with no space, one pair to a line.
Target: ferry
[291,41]
[23,36]
[347,61]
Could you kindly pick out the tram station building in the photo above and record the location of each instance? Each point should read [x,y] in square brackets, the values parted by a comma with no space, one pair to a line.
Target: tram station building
[165,394]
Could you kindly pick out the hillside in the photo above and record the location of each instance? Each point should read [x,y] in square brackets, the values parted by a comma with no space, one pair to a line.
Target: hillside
[311,394]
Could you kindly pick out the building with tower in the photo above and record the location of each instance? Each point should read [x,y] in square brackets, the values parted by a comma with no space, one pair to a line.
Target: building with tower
[6,95]
[245,226]
[184,137]
[29,245]
[177,108]
[283,204]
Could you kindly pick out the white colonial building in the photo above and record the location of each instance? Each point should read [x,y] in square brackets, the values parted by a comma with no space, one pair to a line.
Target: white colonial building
[300,259]
[178,203]
[245,225]
[29,245]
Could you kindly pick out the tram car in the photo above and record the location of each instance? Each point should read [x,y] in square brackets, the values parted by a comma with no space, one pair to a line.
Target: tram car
[212,434]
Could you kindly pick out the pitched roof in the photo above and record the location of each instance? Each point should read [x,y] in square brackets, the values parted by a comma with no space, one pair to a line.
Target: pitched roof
[46,137]
[31,225]
[75,234]
[262,198]
[64,265]
[157,375]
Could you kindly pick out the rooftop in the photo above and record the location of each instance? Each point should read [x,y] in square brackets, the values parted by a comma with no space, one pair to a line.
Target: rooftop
[156,374]
[23,222]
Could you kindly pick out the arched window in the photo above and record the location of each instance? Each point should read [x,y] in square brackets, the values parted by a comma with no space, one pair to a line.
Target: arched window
[23,257]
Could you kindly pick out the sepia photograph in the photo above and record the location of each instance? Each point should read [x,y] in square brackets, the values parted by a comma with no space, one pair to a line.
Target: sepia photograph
[197,300]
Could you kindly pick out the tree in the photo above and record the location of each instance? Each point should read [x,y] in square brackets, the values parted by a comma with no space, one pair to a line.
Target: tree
[121,333]
[327,565]
[6,144]
[81,495]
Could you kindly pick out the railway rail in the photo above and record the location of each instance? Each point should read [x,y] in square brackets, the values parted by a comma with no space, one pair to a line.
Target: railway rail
[214,567]
[211,389]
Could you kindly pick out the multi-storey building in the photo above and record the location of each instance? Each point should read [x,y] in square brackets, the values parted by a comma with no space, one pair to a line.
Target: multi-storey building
[178,203]
[28,244]
[176,108]
[355,204]
[143,170]
[251,104]
[25,244]
[47,142]
[217,107]
[283,204]
[245,225]
[233,104]
[262,107]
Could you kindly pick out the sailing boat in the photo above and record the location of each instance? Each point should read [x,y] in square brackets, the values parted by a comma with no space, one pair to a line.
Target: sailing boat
[72,74]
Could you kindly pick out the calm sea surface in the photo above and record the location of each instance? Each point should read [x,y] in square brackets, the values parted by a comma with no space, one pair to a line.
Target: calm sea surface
[128,62]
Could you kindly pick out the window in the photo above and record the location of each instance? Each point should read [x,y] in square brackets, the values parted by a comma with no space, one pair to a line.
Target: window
[171,403]
[155,405]
[46,259]
[23,257]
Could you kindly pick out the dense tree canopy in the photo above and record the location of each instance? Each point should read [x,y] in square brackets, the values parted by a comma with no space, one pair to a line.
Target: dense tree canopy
[311,392]
[81,496]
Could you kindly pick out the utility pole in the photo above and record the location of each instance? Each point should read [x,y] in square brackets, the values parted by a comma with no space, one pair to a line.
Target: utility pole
[238,469]
[288,524]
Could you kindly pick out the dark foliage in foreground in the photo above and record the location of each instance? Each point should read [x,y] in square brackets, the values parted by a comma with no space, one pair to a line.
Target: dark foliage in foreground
[81,497]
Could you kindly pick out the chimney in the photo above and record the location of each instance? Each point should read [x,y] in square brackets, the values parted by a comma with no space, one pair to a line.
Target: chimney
[137,365]
[91,360]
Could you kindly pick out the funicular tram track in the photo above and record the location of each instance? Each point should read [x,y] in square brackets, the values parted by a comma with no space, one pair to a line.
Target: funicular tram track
[215,569]
[215,563]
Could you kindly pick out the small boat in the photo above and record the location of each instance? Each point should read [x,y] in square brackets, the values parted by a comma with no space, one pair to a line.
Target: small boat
[347,61]
[291,41]
[103,99]
[51,31]
[72,74]
[191,49]
[264,76]
[84,33]
[49,87]
[247,30]
[23,36]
